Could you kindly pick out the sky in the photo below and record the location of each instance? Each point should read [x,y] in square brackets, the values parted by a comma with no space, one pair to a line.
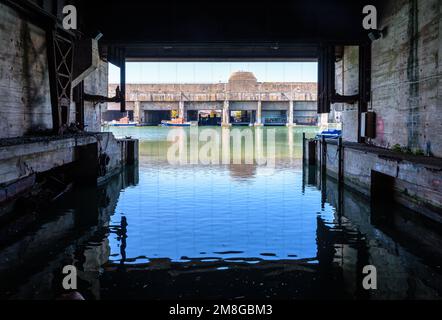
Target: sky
[213,72]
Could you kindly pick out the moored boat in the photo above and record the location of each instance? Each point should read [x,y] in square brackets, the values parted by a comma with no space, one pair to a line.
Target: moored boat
[178,122]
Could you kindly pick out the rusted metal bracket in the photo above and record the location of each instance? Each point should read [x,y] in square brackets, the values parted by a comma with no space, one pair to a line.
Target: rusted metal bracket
[80,97]
[338,98]
[102,99]
[326,81]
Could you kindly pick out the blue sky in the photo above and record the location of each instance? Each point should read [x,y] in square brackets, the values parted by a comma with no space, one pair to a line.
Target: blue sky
[213,72]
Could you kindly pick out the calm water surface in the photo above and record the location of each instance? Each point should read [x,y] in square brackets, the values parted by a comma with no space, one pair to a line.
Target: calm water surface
[224,231]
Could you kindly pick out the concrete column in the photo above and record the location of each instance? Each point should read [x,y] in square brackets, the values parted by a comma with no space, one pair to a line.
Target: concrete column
[138,116]
[182,112]
[323,121]
[290,114]
[226,114]
[259,114]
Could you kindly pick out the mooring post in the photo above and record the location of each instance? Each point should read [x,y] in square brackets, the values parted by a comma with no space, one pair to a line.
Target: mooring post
[304,169]
[340,180]
[303,147]
[323,171]
[323,154]
[340,161]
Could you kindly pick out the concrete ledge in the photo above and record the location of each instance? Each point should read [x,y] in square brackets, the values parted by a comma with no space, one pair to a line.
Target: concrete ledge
[20,147]
[417,179]
[22,157]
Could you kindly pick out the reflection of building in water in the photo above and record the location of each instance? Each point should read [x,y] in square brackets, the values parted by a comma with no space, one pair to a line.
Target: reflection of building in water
[242,171]
[241,101]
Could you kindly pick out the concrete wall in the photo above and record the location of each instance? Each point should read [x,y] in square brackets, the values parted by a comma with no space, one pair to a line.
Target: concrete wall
[24,81]
[347,83]
[196,105]
[244,106]
[406,64]
[18,161]
[416,185]
[97,84]
[406,68]
[25,104]
[215,91]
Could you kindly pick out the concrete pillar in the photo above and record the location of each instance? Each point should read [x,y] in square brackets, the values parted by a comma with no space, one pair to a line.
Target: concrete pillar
[226,114]
[290,114]
[259,114]
[182,112]
[137,112]
[323,121]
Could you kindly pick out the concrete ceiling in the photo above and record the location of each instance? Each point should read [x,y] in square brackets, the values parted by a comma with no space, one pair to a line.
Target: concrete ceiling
[223,30]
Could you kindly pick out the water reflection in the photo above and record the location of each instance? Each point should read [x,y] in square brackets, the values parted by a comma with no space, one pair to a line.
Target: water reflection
[222,231]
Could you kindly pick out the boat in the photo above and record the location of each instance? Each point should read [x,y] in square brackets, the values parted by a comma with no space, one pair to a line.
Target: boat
[123,122]
[130,124]
[329,134]
[178,122]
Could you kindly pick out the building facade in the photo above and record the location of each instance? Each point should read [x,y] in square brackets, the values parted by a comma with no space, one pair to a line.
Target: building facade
[242,100]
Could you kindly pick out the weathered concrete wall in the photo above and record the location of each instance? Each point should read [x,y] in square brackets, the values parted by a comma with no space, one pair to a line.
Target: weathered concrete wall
[417,185]
[25,104]
[406,67]
[347,79]
[18,161]
[97,84]
[243,106]
[242,86]
[196,105]
[24,81]
[406,76]
[212,92]
[242,92]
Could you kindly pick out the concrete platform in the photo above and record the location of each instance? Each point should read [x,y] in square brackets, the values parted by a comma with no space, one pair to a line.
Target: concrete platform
[22,158]
[416,181]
